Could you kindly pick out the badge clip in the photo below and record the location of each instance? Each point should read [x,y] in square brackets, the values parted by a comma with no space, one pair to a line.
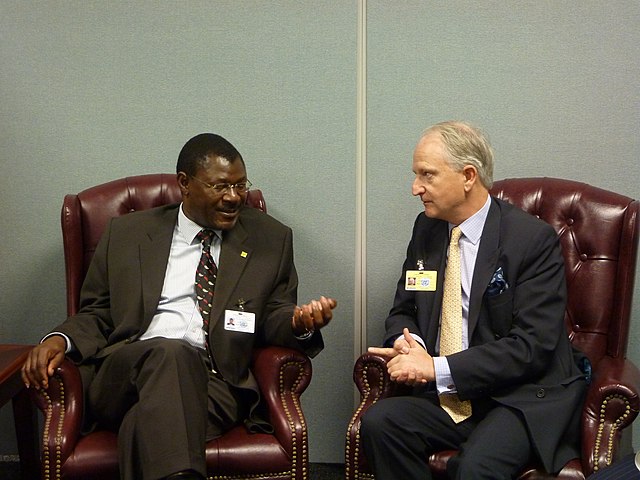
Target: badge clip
[240,304]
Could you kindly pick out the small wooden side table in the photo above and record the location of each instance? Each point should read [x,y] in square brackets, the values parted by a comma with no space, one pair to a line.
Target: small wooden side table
[24,413]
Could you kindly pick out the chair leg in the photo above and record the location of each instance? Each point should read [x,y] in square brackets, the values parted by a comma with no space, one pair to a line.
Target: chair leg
[26,424]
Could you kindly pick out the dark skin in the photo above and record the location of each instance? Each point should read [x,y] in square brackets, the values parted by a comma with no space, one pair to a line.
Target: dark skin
[208,209]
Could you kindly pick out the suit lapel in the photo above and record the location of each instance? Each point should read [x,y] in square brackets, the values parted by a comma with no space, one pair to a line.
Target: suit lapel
[486,262]
[435,256]
[154,249]
[234,254]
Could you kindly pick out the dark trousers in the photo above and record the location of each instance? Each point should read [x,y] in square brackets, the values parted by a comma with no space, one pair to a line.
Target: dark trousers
[625,469]
[399,433]
[160,397]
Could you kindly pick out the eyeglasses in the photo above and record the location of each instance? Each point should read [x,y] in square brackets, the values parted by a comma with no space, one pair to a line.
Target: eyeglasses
[222,188]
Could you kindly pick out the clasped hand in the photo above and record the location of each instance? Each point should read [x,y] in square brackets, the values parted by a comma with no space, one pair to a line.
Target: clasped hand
[407,361]
[312,316]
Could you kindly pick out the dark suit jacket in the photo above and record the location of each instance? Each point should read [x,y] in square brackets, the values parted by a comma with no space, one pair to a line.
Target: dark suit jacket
[122,289]
[519,352]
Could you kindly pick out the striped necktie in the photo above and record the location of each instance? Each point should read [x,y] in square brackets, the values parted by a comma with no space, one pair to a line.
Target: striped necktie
[206,276]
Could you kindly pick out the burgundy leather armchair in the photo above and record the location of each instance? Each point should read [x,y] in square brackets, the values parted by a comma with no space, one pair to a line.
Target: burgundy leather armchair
[598,232]
[282,374]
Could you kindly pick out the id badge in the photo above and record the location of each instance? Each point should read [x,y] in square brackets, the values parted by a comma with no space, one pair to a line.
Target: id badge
[239,321]
[421,280]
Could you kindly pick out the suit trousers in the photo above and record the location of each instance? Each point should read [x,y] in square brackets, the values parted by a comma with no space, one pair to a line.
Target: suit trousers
[624,469]
[399,433]
[157,394]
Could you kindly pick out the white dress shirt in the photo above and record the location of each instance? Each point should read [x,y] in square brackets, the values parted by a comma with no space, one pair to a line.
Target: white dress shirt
[178,315]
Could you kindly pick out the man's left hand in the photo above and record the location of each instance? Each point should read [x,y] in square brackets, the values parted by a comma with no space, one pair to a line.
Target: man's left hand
[312,316]
[411,366]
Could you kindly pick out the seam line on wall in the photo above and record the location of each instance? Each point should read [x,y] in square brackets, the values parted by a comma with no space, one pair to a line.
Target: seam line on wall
[360,301]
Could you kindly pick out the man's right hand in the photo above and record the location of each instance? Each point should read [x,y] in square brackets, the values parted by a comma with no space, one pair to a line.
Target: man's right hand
[42,362]
[407,362]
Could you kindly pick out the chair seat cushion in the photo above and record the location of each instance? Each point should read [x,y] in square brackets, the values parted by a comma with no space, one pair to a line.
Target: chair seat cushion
[239,452]
[236,453]
[95,457]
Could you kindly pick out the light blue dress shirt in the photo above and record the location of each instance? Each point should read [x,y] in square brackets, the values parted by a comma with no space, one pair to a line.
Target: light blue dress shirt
[469,243]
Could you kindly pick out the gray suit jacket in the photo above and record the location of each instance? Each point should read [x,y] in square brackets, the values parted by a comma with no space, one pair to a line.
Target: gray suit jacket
[519,352]
[122,289]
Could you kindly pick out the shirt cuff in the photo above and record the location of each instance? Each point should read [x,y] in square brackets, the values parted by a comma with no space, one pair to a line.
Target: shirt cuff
[416,338]
[444,380]
[67,340]
[305,336]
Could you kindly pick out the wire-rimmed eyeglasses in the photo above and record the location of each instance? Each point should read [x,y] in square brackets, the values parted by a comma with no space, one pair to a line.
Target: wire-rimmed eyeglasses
[222,188]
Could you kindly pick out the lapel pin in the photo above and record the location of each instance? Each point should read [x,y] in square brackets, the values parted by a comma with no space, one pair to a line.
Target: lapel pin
[243,254]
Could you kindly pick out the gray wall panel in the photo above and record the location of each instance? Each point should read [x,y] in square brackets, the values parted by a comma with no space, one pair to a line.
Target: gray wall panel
[92,91]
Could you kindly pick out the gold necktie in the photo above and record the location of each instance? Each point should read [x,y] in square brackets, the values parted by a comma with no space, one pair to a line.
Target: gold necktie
[451,328]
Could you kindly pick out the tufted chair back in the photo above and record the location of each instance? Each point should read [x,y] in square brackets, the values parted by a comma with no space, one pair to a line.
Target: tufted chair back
[86,214]
[598,232]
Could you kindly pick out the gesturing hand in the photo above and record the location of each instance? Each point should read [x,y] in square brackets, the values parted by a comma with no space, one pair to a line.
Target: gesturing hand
[313,315]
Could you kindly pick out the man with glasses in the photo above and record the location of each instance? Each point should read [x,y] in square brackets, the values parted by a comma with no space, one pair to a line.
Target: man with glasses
[173,303]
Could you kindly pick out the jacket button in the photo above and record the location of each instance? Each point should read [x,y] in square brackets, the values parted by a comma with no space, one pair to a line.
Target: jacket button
[541,393]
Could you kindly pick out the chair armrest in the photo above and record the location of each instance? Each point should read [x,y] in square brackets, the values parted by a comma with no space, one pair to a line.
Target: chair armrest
[611,405]
[371,378]
[373,382]
[61,405]
[282,375]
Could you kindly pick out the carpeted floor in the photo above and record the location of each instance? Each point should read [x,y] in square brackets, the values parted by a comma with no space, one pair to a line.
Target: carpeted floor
[326,471]
[318,471]
[9,470]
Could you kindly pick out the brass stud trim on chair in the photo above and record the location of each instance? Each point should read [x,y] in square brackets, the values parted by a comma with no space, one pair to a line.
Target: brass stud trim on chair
[46,453]
[259,476]
[365,394]
[614,428]
[296,403]
[45,438]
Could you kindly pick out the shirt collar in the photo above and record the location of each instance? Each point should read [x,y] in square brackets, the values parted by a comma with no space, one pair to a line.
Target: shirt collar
[189,229]
[472,227]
